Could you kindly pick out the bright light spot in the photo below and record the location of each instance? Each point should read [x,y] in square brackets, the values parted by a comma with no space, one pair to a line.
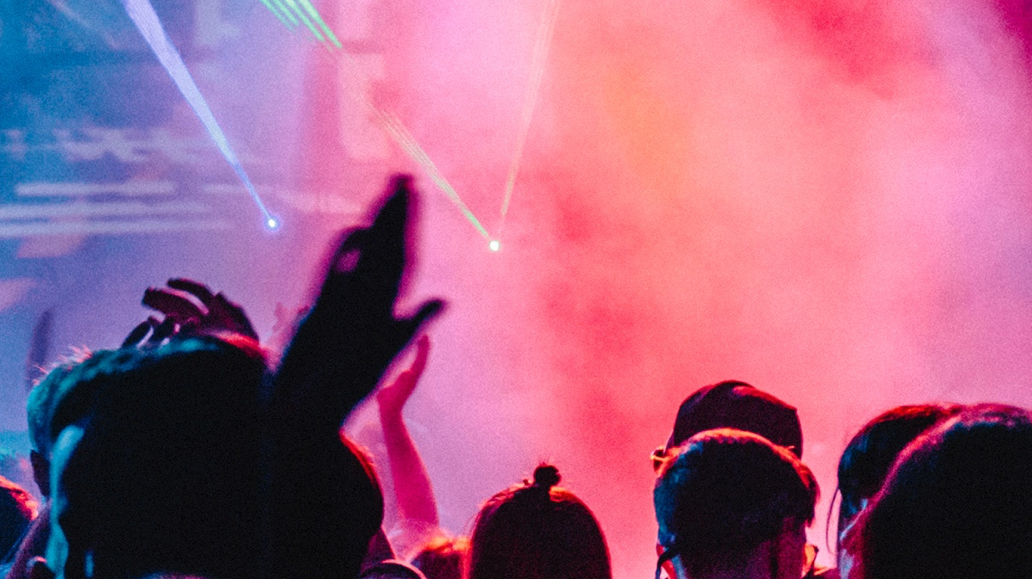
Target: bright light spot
[147,22]
[494,245]
[272,224]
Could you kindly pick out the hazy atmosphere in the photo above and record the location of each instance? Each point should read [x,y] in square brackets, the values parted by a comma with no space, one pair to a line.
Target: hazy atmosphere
[829,199]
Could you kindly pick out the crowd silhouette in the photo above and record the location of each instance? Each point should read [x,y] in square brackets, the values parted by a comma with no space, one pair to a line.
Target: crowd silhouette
[188,453]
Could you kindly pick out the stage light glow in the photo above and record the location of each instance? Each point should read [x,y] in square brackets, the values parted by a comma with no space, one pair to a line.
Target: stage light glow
[310,17]
[392,125]
[494,245]
[142,13]
[389,123]
[272,224]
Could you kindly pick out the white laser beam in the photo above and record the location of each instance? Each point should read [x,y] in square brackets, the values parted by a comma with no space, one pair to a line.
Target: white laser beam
[142,13]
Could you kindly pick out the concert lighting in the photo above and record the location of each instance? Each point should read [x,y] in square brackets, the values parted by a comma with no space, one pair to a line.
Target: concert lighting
[537,73]
[293,12]
[142,13]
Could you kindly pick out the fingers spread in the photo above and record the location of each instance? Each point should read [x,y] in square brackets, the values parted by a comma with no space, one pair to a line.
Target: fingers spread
[224,314]
[175,304]
[140,332]
[406,328]
[198,289]
[163,330]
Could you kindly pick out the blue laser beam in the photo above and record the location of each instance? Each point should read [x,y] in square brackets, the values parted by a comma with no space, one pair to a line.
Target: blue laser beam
[142,13]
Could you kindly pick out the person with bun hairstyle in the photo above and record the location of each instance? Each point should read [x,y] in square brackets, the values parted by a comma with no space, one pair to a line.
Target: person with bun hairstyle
[537,530]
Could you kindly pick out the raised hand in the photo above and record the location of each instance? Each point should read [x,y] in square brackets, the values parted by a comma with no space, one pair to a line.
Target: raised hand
[189,308]
[337,357]
[392,398]
[352,333]
[284,327]
[413,492]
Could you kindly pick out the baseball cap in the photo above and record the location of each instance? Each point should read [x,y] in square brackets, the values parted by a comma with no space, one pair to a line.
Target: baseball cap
[736,404]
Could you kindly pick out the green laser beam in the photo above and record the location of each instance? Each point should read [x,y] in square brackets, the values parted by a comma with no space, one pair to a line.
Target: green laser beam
[308,23]
[389,123]
[289,15]
[322,23]
[538,61]
[396,129]
[276,13]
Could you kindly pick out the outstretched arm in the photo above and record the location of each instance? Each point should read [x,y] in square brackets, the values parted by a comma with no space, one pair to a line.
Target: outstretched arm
[351,335]
[321,520]
[412,488]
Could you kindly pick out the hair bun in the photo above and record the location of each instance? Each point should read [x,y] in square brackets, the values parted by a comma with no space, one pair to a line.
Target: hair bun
[546,476]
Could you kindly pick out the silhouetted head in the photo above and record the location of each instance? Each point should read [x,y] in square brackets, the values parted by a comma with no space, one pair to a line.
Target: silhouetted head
[537,531]
[69,380]
[349,520]
[46,394]
[734,404]
[726,493]
[158,469]
[443,557]
[870,454]
[956,504]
